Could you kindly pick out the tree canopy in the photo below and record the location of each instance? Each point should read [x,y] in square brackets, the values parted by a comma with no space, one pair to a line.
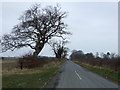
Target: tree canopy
[36,27]
[59,48]
[77,55]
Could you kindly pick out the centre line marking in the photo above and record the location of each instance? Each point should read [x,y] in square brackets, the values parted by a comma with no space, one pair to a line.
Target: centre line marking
[78,75]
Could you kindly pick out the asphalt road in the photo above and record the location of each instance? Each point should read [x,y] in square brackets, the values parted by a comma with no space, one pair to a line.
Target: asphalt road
[74,76]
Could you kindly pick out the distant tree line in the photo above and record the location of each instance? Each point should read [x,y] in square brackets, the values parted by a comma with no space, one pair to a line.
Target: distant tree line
[108,60]
[79,54]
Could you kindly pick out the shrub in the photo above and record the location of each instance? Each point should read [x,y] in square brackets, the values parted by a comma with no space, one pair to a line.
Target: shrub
[28,61]
[113,64]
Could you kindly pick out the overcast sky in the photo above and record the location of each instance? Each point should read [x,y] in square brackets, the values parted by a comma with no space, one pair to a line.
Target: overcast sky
[94,25]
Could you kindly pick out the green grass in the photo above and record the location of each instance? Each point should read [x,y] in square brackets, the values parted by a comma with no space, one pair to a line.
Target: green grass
[30,78]
[107,73]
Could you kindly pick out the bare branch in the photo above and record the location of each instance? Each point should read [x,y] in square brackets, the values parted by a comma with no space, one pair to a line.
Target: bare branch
[37,26]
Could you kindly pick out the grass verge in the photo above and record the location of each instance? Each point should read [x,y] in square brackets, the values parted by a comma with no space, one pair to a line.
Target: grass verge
[106,73]
[30,78]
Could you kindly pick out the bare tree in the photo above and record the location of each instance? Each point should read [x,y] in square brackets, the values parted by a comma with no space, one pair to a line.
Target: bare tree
[112,55]
[59,48]
[37,26]
[97,55]
[77,55]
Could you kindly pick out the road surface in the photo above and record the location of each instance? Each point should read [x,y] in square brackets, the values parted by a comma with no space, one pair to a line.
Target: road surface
[74,76]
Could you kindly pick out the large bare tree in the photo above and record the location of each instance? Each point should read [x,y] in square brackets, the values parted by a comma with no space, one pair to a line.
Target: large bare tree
[59,48]
[37,26]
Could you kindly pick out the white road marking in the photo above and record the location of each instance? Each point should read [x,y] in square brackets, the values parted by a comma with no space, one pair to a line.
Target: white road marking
[78,75]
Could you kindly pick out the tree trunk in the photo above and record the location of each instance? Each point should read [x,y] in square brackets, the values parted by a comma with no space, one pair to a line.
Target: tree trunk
[58,55]
[38,50]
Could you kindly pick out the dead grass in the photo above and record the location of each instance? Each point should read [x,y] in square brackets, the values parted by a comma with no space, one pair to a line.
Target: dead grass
[9,65]
[14,70]
[30,78]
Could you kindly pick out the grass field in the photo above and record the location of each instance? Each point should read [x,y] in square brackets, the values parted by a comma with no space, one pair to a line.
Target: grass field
[107,73]
[8,64]
[28,78]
